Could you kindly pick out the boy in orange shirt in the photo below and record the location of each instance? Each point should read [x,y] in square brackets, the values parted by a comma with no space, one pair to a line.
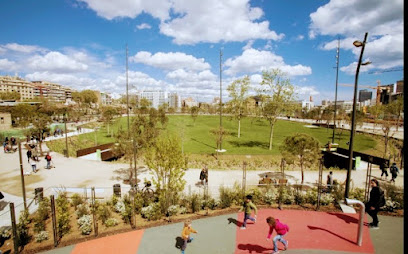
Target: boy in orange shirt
[185,234]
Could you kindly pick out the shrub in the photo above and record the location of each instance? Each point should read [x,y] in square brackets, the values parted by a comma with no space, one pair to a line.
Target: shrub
[111,222]
[23,236]
[42,215]
[326,199]
[81,210]
[357,193]
[299,196]
[103,213]
[182,210]
[311,196]
[76,200]
[285,195]
[114,200]
[270,196]
[5,233]
[257,195]
[126,211]
[211,203]
[85,224]
[338,193]
[41,236]
[151,212]
[395,194]
[195,202]
[226,197]
[172,210]
[62,214]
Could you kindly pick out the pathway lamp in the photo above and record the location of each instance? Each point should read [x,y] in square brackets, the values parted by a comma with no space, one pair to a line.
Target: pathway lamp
[353,116]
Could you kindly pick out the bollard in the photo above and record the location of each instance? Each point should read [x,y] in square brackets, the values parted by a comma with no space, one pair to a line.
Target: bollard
[361,219]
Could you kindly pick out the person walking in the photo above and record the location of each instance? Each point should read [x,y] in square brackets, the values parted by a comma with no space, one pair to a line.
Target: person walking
[29,154]
[247,207]
[281,231]
[48,159]
[34,166]
[394,171]
[185,234]
[374,203]
[383,168]
[330,181]
[204,175]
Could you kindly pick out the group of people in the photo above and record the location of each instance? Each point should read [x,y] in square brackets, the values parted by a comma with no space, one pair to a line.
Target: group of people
[394,170]
[273,223]
[32,158]
[8,144]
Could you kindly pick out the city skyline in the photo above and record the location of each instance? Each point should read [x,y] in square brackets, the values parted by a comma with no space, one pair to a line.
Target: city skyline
[175,45]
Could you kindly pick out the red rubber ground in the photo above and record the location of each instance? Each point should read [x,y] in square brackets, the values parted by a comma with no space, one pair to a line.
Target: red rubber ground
[308,230]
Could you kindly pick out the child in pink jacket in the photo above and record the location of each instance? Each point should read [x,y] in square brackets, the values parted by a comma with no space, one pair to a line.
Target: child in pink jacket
[281,230]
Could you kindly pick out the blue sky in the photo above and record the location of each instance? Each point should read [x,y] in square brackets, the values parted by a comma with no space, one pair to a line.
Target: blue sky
[174,45]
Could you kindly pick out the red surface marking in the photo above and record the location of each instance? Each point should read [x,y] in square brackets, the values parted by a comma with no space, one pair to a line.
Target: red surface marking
[126,243]
[307,230]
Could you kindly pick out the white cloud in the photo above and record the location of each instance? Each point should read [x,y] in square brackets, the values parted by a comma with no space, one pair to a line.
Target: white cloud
[194,21]
[300,37]
[143,26]
[253,60]
[6,65]
[382,20]
[129,8]
[56,62]
[170,61]
[20,48]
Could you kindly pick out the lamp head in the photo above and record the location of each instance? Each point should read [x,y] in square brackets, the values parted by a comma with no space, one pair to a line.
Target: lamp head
[357,43]
[366,63]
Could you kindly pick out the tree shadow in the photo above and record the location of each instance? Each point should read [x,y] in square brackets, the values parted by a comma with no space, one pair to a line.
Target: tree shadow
[3,204]
[328,231]
[123,173]
[253,248]
[179,242]
[237,223]
[249,144]
[193,139]
[276,175]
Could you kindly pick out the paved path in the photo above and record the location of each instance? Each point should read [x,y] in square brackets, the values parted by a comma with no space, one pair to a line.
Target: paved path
[310,232]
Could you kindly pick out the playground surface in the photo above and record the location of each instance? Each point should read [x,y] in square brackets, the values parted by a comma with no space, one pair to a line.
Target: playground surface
[310,232]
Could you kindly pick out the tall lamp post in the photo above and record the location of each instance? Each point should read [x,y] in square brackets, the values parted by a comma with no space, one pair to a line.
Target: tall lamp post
[353,116]
[335,95]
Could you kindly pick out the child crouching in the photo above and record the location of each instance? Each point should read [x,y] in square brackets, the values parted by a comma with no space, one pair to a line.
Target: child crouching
[281,230]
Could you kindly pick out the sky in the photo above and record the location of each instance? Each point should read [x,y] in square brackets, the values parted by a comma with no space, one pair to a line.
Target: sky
[181,45]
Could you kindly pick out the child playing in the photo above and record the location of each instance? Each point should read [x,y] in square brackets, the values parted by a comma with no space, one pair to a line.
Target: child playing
[34,166]
[247,207]
[281,230]
[185,234]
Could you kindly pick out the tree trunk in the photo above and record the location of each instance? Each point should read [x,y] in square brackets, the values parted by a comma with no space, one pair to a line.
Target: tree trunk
[108,129]
[303,174]
[271,136]
[239,128]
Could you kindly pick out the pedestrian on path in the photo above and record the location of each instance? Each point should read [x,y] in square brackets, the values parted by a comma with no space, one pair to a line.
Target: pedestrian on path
[383,168]
[247,207]
[204,175]
[34,166]
[375,202]
[29,154]
[48,159]
[281,230]
[330,181]
[185,234]
[394,171]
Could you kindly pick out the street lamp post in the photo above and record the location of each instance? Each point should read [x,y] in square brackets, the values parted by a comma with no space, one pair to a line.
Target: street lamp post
[66,136]
[353,116]
[335,95]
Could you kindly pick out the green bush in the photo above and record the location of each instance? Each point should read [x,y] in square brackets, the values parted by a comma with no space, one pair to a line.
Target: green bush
[62,214]
[394,194]
[227,197]
[151,212]
[23,236]
[104,213]
[311,196]
[195,202]
[172,210]
[270,196]
[81,210]
[357,193]
[42,215]
[285,195]
[41,236]
[257,195]
[299,196]
[326,199]
[111,222]
[76,200]
[85,224]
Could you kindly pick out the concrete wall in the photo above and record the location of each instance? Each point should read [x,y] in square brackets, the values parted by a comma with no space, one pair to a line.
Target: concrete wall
[5,121]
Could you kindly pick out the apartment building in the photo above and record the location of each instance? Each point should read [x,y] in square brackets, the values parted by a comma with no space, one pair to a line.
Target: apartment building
[157,98]
[16,84]
[52,91]
[174,101]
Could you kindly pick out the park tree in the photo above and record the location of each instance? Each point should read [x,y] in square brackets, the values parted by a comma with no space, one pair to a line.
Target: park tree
[194,113]
[167,165]
[396,108]
[278,95]
[13,95]
[238,91]
[375,112]
[41,121]
[301,147]
[144,106]
[141,136]
[219,135]
[108,113]
[22,114]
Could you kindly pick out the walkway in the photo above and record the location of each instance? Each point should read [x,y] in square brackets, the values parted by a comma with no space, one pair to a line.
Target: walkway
[310,232]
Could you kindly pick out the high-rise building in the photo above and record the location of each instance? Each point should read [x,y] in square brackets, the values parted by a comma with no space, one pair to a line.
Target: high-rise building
[52,91]
[157,98]
[174,101]
[364,95]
